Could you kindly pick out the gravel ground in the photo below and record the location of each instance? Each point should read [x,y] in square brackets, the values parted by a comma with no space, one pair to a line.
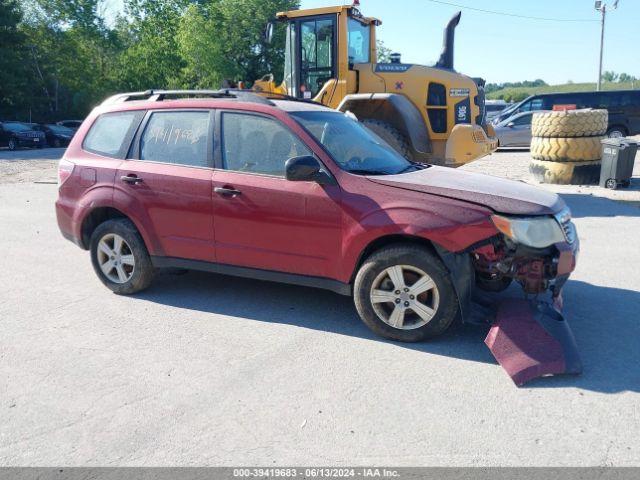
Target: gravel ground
[211,370]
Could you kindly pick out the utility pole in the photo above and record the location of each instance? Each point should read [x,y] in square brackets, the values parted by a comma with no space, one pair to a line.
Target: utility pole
[604,15]
[602,8]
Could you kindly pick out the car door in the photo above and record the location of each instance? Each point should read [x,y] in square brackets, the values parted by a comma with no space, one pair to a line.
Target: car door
[516,131]
[262,220]
[166,179]
[522,130]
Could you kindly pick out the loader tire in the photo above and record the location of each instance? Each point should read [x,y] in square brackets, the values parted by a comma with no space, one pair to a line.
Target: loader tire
[391,135]
[579,149]
[566,173]
[572,123]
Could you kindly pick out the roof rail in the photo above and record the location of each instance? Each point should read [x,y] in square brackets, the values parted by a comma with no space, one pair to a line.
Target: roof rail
[160,95]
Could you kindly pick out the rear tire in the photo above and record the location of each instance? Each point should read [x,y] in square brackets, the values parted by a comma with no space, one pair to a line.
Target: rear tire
[13,144]
[120,257]
[397,282]
[391,135]
[617,132]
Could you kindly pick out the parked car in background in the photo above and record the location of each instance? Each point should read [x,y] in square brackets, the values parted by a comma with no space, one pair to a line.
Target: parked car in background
[56,135]
[72,124]
[623,107]
[494,107]
[515,131]
[17,134]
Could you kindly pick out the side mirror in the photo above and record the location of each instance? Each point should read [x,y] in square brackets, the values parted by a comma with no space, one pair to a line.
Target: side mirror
[268,33]
[511,124]
[306,169]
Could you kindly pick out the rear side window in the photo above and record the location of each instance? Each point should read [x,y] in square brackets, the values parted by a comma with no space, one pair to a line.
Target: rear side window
[109,132]
[176,137]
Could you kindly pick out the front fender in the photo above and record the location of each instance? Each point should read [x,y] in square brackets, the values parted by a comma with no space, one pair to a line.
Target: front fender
[453,229]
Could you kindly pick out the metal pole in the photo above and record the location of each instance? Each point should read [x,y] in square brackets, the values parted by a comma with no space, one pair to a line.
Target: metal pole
[604,12]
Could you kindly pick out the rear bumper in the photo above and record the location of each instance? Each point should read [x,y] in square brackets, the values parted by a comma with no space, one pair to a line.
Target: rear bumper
[30,141]
[66,224]
[468,143]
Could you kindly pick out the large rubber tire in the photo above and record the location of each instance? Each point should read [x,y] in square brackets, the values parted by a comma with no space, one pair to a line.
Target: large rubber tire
[572,123]
[418,257]
[13,144]
[143,271]
[566,173]
[581,149]
[391,135]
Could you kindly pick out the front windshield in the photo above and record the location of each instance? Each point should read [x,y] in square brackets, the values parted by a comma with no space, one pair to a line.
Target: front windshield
[354,147]
[17,127]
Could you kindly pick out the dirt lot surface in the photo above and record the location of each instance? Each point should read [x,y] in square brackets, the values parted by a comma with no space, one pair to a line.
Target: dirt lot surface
[210,370]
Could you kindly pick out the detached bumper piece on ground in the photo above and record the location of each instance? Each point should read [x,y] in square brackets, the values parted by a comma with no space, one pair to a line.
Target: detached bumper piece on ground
[531,339]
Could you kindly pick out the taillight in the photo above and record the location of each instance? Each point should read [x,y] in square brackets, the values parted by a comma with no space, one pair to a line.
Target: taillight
[65,169]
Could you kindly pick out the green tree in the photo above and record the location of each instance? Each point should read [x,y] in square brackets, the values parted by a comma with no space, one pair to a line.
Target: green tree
[13,74]
[224,39]
[384,53]
[609,76]
[72,55]
[625,78]
[148,33]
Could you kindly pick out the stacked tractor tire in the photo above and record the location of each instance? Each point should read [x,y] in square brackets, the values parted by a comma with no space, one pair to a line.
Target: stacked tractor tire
[566,146]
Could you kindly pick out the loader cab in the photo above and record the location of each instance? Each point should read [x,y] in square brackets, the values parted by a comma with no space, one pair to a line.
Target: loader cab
[317,63]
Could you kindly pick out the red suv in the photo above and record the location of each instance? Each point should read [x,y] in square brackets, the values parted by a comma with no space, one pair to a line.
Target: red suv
[294,192]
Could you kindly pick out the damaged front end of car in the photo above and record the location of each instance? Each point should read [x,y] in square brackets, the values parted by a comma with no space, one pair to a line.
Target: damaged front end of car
[529,336]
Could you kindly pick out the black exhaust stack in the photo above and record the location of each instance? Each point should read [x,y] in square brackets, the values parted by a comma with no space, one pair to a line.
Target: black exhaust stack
[446,57]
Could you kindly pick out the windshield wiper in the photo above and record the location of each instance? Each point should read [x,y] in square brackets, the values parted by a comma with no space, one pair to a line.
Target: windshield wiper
[369,172]
[417,166]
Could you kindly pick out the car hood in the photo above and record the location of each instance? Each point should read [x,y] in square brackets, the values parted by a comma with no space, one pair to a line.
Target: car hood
[500,195]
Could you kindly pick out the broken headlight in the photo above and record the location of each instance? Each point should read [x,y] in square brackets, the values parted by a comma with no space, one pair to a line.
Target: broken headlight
[536,232]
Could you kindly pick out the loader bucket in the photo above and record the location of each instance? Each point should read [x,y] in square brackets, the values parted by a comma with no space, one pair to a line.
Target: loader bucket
[531,339]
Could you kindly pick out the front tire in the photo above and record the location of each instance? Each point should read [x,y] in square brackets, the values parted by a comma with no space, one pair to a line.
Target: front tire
[404,293]
[13,144]
[120,257]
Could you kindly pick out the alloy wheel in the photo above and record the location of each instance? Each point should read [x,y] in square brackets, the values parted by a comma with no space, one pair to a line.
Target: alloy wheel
[404,297]
[115,258]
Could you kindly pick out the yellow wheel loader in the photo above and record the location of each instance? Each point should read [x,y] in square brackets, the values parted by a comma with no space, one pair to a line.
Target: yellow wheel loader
[429,114]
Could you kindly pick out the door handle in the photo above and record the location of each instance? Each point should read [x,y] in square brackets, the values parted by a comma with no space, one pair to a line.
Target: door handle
[227,192]
[133,179]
